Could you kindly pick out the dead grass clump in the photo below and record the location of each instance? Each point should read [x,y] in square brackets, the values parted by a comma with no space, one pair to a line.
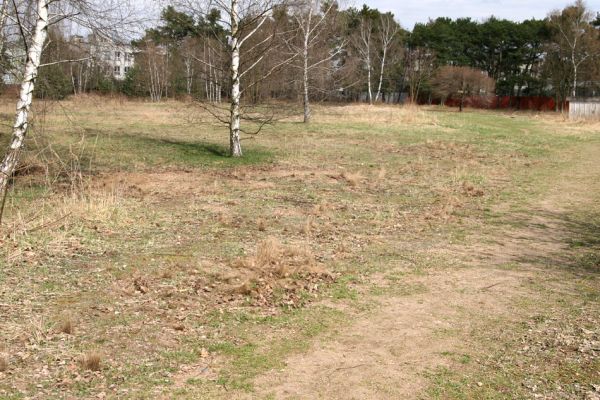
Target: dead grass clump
[224,219]
[53,228]
[140,285]
[284,260]
[30,165]
[307,227]
[352,179]
[100,206]
[268,253]
[66,326]
[472,191]
[91,361]
[278,273]
[411,113]
[321,208]
[261,225]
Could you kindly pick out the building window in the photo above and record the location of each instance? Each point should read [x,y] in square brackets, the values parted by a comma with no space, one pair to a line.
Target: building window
[117,55]
[127,69]
[128,56]
[117,70]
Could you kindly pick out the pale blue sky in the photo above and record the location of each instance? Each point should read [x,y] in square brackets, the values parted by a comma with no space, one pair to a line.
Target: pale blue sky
[410,11]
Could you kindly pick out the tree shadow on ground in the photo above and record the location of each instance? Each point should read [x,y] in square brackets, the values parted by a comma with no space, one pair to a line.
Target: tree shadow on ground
[564,240]
[132,150]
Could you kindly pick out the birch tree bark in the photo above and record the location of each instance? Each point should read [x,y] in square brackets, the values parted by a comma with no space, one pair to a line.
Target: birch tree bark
[235,146]
[575,35]
[3,18]
[21,125]
[243,19]
[311,26]
[388,31]
[366,32]
[236,40]
[305,29]
[305,81]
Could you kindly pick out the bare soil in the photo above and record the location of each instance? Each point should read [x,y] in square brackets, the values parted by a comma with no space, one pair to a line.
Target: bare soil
[388,353]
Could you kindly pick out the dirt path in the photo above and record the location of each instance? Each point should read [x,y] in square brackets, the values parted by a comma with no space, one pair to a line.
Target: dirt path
[384,355]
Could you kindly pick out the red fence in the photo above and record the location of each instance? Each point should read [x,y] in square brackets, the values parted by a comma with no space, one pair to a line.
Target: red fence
[536,103]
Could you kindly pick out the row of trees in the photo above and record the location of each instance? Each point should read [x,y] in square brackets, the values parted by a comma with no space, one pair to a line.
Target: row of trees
[558,56]
[318,51]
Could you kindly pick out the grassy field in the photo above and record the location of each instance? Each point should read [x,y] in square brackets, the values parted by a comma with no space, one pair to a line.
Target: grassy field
[138,261]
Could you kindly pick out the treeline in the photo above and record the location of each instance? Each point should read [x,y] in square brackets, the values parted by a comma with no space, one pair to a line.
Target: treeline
[350,54]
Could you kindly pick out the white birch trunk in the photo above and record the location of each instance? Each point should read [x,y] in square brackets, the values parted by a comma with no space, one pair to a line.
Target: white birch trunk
[11,159]
[235,146]
[307,112]
[310,28]
[378,95]
[189,75]
[3,18]
[211,83]
[575,65]
[388,30]
[73,83]
[219,87]
[365,32]
[165,74]
[206,77]
[369,77]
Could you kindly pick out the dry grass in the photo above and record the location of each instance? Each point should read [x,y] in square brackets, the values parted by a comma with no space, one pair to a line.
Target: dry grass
[261,225]
[66,326]
[268,253]
[352,179]
[30,164]
[3,363]
[389,114]
[272,255]
[381,174]
[307,228]
[62,215]
[91,361]
[142,253]
[275,266]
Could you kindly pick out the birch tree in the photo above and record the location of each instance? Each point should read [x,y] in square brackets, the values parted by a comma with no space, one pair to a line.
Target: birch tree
[245,20]
[365,40]
[364,29]
[575,35]
[388,30]
[32,65]
[41,14]
[3,19]
[312,23]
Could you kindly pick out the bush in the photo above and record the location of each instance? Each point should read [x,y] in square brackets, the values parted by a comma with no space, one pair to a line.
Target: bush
[133,86]
[53,83]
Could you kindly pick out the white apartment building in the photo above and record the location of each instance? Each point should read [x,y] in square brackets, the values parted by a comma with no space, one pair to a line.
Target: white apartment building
[118,57]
